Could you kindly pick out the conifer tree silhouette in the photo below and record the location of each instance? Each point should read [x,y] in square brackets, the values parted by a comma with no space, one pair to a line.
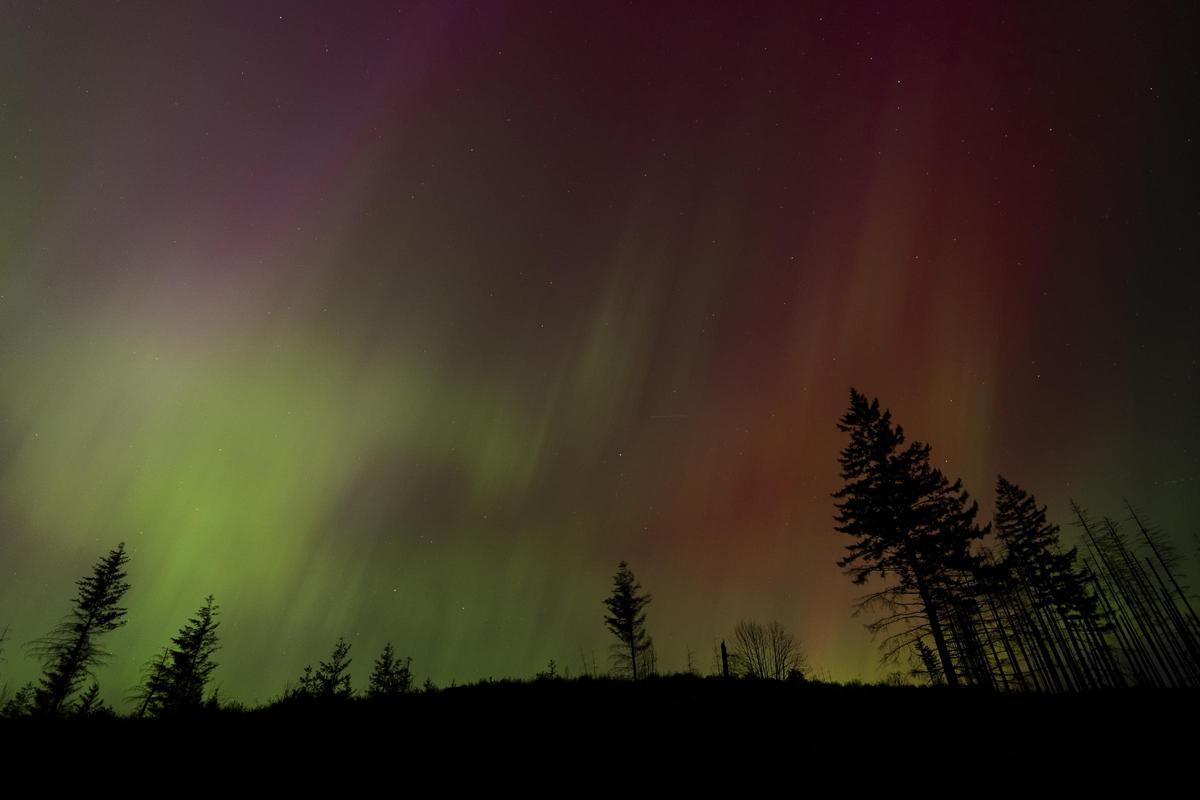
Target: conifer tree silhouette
[627,621]
[1058,610]
[148,692]
[390,677]
[21,703]
[177,677]
[910,525]
[72,649]
[929,663]
[90,704]
[331,679]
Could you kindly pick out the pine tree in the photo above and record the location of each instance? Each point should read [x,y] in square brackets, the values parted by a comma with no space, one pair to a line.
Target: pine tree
[90,704]
[21,703]
[627,621]
[331,679]
[911,526]
[929,663]
[176,679]
[1030,541]
[1064,621]
[390,676]
[72,650]
[154,683]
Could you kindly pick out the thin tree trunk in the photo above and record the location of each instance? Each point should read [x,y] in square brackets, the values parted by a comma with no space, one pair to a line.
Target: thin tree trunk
[935,627]
[1195,621]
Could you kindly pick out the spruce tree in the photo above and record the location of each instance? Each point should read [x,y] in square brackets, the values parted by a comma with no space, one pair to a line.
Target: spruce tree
[90,704]
[21,703]
[911,526]
[1065,623]
[390,676]
[72,649]
[154,683]
[1029,540]
[627,621]
[176,679]
[331,679]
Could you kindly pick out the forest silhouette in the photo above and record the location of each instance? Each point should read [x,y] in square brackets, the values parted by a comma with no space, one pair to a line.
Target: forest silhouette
[1005,616]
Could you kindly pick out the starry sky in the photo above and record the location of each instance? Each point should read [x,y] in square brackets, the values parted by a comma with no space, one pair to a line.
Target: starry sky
[407,321]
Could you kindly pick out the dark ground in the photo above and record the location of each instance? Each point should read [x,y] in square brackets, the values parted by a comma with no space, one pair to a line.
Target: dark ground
[842,723]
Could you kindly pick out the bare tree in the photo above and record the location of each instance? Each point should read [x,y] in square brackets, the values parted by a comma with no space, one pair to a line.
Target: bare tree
[766,651]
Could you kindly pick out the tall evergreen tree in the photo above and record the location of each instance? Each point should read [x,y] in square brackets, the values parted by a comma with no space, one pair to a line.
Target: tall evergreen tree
[72,649]
[1030,541]
[911,526]
[176,679]
[1064,622]
[627,621]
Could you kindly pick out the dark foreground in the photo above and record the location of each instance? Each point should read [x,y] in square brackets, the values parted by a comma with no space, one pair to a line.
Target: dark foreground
[804,719]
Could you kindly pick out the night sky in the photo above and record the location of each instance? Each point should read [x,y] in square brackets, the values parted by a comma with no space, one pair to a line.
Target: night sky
[409,321]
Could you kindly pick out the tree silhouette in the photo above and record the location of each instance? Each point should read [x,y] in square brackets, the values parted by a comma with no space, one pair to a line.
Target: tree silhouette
[648,659]
[627,621]
[550,673]
[1160,645]
[72,650]
[1047,588]
[765,651]
[90,704]
[21,703]
[929,663]
[331,679]
[911,526]
[153,682]
[390,676]
[176,678]
[1030,541]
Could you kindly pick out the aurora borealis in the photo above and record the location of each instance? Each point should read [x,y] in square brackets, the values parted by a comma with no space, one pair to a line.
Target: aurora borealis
[409,321]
